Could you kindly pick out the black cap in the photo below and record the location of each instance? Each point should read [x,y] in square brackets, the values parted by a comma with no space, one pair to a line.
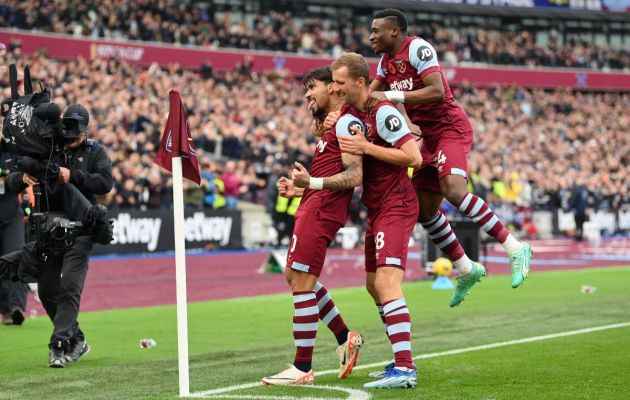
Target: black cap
[76,116]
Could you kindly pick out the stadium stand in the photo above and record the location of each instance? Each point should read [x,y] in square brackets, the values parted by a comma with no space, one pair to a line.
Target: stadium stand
[531,145]
[290,30]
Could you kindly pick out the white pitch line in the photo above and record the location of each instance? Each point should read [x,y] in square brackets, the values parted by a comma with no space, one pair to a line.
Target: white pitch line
[354,394]
[225,389]
[490,346]
[262,397]
[438,354]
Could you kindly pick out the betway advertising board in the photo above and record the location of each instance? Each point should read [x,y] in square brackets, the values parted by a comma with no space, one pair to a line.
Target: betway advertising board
[152,231]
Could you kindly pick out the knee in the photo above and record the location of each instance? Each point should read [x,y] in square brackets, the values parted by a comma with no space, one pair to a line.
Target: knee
[426,214]
[380,284]
[302,281]
[69,289]
[371,288]
[454,193]
[288,275]
[44,291]
[295,285]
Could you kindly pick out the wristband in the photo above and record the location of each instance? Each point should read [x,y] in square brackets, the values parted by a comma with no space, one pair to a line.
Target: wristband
[316,183]
[395,96]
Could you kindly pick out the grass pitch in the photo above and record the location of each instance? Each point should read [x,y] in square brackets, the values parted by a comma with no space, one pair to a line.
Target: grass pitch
[236,342]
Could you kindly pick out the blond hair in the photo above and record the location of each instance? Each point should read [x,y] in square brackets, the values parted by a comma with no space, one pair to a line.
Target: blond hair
[356,64]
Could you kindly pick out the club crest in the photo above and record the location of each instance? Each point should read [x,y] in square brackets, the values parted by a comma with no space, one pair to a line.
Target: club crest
[401,66]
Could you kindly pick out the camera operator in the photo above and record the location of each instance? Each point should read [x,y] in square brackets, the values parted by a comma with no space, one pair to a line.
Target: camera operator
[85,171]
[12,294]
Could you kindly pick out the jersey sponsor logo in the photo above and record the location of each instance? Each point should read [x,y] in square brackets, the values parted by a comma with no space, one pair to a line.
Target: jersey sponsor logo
[401,66]
[393,123]
[352,124]
[424,53]
[405,84]
[321,145]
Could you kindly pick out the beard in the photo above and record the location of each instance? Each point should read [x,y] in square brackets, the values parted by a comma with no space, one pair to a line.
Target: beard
[319,114]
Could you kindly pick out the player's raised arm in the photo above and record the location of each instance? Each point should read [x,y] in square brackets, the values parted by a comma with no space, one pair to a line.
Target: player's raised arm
[348,179]
[423,58]
[352,163]
[391,127]
[432,92]
[378,86]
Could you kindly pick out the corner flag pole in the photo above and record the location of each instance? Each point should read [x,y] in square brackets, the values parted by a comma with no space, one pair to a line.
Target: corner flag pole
[177,154]
[180,277]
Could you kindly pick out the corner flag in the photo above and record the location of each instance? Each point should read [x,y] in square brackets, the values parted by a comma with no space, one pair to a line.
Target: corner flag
[177,141]
[177,154]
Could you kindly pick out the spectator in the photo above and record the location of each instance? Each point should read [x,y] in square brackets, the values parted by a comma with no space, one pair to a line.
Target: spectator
[192,24]
[232,184]
[547,138]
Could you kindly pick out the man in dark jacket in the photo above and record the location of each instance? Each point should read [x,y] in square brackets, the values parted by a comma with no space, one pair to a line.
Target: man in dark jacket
[579,203]
[84,172]
[12,294]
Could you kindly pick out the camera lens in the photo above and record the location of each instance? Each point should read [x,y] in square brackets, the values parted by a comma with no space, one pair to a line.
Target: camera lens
[58,233]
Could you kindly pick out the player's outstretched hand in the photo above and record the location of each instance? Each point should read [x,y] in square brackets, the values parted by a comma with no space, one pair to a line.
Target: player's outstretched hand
[356,144]
[331,119]
[301,177]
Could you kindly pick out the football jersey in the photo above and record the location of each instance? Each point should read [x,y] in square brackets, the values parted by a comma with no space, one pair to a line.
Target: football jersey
[415,59]
[330,204]
[385,127]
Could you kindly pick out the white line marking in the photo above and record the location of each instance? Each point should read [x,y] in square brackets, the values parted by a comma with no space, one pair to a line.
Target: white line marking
[236,396]
[225,389]
[490,346]
[428,355]
[353,394]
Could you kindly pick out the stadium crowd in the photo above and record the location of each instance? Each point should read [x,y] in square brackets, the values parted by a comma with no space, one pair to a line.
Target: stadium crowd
[531,147]
[191,24]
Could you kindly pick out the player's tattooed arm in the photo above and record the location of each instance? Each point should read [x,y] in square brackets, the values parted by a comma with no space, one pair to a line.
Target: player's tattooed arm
[350,177]
[407,155]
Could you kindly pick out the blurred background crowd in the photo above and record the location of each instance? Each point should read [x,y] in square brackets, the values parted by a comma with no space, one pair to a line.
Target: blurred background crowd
[533,149]
[287,29]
